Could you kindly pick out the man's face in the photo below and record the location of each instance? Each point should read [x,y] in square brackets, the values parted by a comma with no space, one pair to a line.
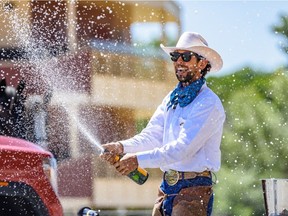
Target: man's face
[189,70]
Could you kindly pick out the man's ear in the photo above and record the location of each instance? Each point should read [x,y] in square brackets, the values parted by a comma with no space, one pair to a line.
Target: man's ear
[202,63]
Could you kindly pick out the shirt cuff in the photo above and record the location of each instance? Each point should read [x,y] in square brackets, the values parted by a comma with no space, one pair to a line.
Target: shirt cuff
[127,146]
[145,160]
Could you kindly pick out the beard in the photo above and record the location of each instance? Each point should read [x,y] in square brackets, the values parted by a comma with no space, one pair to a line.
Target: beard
[184,74]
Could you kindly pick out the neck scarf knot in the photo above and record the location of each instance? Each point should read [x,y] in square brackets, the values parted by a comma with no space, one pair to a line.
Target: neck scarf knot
[185,95]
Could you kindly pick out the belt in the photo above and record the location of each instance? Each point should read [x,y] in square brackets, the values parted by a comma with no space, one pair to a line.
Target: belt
[173,176]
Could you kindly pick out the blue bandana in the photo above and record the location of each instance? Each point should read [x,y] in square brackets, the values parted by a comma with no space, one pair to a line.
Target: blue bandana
[184,96]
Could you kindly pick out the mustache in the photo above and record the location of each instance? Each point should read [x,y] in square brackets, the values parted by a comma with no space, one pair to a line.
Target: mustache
[180,66]
[182,69]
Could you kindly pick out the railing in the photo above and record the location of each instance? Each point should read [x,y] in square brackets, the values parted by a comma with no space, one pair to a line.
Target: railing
[125,60]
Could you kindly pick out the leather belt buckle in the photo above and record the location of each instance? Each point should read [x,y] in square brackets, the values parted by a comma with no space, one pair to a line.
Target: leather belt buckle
[171,177]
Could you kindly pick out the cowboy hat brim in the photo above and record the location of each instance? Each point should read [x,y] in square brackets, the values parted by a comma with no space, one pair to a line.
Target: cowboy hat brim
[211,55]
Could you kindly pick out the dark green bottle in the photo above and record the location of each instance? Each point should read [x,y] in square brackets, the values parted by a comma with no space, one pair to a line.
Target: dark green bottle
[139,175]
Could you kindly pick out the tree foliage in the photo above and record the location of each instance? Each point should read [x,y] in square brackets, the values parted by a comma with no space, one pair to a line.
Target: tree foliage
[282,30]
[255,135]
[254,140]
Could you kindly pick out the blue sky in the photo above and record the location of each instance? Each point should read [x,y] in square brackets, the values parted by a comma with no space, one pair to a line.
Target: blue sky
[239,30]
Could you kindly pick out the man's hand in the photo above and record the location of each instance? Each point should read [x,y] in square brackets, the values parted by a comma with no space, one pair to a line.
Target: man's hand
[112,151]
[127,164]
[114,147]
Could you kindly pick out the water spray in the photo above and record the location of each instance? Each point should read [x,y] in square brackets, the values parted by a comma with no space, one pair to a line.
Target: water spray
[139,175]
[46,66]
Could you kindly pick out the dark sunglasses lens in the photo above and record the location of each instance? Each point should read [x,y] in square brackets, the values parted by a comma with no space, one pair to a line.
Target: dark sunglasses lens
[186,56]
[174,56]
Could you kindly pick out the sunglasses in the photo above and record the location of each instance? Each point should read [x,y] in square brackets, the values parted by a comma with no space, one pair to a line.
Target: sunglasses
[186,56]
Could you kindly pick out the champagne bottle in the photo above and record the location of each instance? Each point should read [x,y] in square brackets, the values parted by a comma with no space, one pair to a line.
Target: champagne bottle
[139,175]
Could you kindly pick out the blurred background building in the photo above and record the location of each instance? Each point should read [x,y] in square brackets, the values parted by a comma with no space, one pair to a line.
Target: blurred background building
[109,83]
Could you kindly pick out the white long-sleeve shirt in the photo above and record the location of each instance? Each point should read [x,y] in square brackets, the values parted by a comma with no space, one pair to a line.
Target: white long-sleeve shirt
[183,139]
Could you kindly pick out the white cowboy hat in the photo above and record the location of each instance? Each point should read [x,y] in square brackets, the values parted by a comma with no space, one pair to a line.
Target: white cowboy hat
[194,42]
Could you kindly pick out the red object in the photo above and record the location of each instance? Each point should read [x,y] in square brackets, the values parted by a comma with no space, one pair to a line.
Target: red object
[24,187]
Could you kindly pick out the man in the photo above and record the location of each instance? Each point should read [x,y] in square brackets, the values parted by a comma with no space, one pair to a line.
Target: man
[183,136]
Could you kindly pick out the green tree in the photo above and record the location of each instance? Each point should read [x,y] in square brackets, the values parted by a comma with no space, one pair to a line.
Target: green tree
[254,139]
[282,29]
